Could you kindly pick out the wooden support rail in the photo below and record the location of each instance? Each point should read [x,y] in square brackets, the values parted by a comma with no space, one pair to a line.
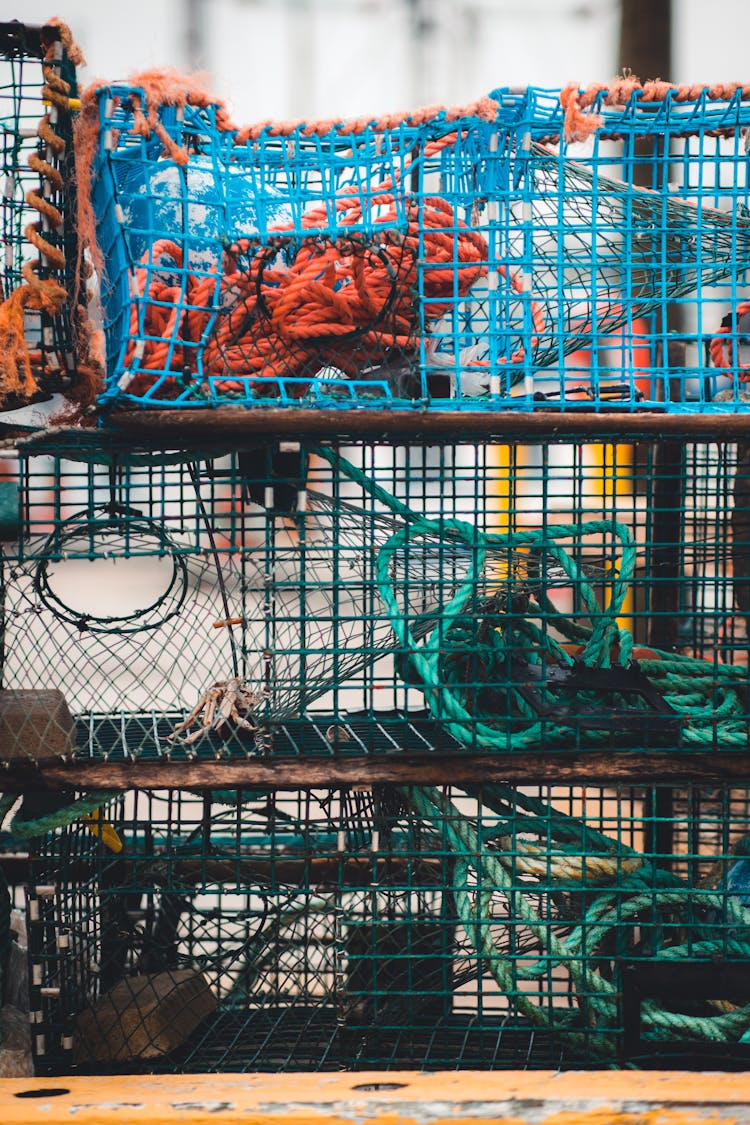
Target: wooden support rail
[240,423]
[305,772]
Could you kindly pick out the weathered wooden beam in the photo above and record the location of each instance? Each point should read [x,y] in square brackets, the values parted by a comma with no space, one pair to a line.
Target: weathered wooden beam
[240,423]
[579,767]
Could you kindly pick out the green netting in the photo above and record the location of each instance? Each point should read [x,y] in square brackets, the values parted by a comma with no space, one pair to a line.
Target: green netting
[331,929]
[558,596]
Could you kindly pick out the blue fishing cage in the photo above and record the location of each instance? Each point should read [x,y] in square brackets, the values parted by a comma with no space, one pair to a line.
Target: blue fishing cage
[462,260]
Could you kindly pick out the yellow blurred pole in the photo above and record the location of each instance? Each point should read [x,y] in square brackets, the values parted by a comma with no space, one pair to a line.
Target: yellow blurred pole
[614,465]
[500,498]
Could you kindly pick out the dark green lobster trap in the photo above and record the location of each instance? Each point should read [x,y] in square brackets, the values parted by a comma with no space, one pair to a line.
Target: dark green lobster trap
[381,755]
[319,600]
[394,926]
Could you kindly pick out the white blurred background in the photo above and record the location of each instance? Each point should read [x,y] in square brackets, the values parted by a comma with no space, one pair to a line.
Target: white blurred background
[294,58]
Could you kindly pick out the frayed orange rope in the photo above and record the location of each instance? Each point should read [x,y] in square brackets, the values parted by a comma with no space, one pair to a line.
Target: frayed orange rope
[72,50]
[580,125]
[621,89]
[484,108]
[43,295]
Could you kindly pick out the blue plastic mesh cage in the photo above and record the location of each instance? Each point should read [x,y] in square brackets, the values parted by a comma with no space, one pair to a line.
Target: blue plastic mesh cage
[463,262]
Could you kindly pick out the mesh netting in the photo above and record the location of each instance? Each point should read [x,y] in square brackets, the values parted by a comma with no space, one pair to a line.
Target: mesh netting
[403,926]
[44,337]
[440,258]
[296,617]
[173,607]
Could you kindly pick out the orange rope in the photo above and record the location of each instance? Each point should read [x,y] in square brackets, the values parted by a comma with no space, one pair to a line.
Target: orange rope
[40,294]
[720,354]
[580,125]
[483,108]
[46,295]
[344,303]
[72,50]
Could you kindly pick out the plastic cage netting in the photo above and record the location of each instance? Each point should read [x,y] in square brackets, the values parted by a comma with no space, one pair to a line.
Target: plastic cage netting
[455,261]
[394,927]
[339,601]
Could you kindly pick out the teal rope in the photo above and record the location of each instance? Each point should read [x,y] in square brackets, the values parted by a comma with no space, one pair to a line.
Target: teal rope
[703,694]
[26,829]
[636,895]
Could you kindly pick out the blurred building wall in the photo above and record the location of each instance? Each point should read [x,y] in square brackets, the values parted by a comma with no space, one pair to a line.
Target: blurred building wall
[282,58]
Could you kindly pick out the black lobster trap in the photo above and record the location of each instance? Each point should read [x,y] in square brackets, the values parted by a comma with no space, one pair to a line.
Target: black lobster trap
[393,926]
[43,340]
[323,600]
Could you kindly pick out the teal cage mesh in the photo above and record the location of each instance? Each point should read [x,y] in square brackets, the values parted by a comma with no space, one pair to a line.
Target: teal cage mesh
[448,261]
[337,601]
[394,927]
[37,210]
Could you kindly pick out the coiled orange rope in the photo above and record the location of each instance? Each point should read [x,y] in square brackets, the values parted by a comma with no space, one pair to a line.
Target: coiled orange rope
[346,303]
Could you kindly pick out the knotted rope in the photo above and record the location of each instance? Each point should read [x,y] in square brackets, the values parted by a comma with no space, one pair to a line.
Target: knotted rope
[457,655]
[345,301]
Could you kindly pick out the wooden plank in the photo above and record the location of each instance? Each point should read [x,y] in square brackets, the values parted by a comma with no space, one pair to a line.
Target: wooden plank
[390,1098]
[239,423]
[595,767]
[35,726]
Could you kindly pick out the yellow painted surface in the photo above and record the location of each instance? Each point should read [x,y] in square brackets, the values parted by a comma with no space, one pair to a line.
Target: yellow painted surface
[392,1098]
[500,498]
[614,465]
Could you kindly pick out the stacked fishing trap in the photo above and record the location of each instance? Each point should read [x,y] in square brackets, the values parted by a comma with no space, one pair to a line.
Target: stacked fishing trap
[375,624]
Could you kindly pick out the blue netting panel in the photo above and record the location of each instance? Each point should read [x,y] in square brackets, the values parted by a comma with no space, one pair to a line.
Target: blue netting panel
[470,263]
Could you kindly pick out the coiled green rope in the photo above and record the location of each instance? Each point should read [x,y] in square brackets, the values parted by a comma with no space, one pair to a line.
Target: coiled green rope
[703,694]
[638,894]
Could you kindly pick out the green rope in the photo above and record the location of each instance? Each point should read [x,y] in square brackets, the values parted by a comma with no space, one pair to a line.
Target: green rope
[636,896]
[704,695]
[60,818]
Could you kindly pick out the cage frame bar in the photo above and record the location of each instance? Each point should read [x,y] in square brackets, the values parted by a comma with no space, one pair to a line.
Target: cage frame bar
[235,424]
[306,773]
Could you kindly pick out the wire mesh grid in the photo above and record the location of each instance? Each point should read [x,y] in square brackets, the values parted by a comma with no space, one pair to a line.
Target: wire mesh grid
[468,262]
[37,210]
[393,926]
[329,600]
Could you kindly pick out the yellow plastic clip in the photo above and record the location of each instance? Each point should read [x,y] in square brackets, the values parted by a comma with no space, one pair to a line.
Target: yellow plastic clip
[104,830]
[73,104]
